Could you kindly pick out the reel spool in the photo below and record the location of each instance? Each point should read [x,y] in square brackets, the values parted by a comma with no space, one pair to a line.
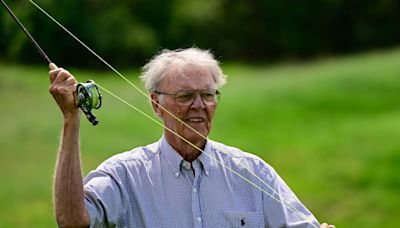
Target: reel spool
[89,98]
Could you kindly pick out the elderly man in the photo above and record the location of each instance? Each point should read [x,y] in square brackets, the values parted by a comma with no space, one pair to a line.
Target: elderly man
[182,180]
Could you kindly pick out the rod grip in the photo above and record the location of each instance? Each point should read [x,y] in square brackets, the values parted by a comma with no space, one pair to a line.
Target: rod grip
[52,66]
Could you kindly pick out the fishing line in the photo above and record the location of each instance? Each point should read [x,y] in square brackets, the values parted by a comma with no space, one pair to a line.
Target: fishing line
[288,205]
[172,115]
[145,94]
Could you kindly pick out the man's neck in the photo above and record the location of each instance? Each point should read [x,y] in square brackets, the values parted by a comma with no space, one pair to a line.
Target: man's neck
[187,151]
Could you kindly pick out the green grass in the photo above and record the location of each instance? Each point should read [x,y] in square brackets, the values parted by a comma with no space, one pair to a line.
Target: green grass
[329,127]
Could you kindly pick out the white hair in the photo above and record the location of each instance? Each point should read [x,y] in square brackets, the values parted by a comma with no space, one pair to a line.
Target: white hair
[175,61]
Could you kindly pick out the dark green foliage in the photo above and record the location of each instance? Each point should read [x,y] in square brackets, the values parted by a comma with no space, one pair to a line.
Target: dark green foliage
[130,32]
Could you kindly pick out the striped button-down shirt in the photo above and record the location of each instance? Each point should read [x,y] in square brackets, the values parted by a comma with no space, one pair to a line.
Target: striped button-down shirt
[153,186]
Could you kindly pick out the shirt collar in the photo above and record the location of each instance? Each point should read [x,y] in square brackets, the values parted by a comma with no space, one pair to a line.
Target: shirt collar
[175,159]
[205,159]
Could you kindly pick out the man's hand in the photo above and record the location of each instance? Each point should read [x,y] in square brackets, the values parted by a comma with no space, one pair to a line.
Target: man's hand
[63,89]
[325,225]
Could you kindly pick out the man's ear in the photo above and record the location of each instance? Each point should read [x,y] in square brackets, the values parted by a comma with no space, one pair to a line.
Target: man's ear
[155,104]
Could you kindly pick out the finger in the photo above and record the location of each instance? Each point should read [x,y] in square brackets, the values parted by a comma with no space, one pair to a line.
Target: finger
[71,84]
[53,66]
[331,226]
[324,225]
[71,80]
[52,71]
[63,82]
[62,76]
[53,74]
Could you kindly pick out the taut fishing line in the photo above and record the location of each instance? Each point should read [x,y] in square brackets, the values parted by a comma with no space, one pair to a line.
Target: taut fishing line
[91,98]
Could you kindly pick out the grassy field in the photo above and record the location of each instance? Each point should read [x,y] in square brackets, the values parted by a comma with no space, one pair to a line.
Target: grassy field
[330,128]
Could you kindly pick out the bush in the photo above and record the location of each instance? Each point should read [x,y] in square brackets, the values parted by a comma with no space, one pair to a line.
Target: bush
[130,32]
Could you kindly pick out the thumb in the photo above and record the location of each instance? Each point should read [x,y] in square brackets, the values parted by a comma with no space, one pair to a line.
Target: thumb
[53,66]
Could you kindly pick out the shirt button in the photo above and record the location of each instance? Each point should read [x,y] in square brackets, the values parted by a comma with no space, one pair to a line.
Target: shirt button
[198,219]
[194,190]
[187,166]
[207,173]
[177,174]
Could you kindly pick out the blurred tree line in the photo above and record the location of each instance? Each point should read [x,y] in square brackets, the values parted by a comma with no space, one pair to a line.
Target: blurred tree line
[129,32]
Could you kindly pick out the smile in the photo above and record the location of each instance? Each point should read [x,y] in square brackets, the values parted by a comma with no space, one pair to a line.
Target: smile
[195,119]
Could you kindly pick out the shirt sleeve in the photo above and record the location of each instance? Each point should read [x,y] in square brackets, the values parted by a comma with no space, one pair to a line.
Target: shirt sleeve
[104,199]
[282,208]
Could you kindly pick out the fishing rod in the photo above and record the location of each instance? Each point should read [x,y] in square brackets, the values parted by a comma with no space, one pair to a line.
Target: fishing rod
[273,193]
[88,94]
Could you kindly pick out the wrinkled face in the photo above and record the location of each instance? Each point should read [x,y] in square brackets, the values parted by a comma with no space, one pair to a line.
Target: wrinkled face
[197,112]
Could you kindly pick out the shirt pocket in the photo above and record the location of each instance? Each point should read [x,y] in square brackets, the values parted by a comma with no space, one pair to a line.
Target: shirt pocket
[241,219]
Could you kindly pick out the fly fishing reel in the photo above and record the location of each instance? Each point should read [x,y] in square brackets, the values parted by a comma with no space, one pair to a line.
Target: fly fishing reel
[89,98]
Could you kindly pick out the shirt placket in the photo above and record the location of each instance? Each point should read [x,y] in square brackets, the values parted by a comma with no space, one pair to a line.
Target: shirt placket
[197,216]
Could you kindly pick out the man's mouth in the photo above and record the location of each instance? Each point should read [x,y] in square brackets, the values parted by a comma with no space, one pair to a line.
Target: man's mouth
[195,120]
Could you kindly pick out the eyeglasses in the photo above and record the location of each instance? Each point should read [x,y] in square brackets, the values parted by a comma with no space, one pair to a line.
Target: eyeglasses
[186,97]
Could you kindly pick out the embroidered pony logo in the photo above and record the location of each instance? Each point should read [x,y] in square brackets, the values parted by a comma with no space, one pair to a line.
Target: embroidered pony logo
[242,222]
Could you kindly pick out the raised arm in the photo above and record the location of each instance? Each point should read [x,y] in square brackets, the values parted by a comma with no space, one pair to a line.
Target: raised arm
[68,186]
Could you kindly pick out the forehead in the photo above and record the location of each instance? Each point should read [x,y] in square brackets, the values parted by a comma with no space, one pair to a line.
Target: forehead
[188,77]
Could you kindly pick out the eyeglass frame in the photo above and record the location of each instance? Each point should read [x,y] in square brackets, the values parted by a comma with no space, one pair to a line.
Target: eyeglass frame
[194,93]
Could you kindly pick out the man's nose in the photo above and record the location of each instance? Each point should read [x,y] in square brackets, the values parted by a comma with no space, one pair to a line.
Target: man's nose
[198,102]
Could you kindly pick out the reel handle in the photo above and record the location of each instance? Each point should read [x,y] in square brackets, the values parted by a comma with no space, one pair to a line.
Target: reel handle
[88,97]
